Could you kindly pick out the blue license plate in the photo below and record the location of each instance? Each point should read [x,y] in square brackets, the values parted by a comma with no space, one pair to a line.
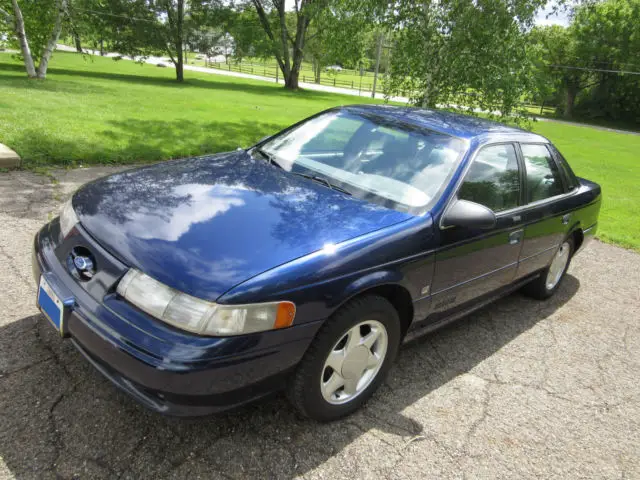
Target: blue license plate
[50,304]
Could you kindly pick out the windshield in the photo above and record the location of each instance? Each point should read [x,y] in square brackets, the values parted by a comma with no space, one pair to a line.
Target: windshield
[373,157]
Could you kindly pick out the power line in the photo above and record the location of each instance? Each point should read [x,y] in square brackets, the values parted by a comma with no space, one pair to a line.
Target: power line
[569,67]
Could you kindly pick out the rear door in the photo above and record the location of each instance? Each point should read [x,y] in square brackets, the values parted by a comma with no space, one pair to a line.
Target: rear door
[546,214]
[473,262]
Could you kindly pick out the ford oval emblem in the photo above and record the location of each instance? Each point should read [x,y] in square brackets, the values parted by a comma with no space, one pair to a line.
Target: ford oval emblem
[83,263]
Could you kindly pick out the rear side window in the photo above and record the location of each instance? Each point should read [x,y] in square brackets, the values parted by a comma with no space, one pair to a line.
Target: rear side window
[543,175]
[570,177]
[493,180]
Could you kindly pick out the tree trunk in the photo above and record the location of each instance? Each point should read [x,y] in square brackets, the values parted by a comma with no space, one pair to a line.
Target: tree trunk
[284,33]
[180,67]
[570,100]
[76,40]
[291,82]
[101,47]
[316,70]
[24,43]
[283,64]
[53,40]
[176,38]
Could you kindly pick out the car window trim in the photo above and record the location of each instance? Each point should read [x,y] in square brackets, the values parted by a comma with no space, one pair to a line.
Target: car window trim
[459,182]
[537,203]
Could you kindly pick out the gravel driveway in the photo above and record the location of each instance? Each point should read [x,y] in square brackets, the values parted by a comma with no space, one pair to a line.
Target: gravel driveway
[520,389]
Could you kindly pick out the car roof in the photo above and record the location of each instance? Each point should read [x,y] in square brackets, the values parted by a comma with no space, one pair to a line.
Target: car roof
[455,124]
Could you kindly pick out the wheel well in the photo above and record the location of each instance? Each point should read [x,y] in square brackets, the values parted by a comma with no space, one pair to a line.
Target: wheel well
[578,238]
[400,298]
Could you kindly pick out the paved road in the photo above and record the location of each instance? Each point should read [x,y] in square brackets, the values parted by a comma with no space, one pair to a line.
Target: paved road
[216,71]
[519,390]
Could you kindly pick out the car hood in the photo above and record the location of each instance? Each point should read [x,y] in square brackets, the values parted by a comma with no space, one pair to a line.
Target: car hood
[206,224]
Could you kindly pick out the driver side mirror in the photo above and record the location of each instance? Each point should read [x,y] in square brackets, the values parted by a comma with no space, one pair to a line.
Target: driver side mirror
[464,213]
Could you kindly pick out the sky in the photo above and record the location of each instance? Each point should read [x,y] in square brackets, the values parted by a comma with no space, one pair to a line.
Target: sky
[559,18]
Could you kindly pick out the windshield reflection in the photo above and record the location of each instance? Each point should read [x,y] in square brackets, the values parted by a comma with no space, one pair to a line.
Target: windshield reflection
[371,156]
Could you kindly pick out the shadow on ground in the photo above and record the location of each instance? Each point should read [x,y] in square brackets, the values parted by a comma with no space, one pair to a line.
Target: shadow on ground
[147,77]
[61,418]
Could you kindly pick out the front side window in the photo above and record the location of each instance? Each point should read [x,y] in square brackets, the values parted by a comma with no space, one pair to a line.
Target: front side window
[374,157]
[543,176]
[493,180]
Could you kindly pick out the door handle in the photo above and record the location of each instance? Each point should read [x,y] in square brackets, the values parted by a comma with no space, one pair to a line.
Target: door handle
[566,218]
[515,237]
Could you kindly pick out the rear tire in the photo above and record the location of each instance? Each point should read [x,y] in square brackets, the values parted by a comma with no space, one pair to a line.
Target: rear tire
[551,277]
[348,360]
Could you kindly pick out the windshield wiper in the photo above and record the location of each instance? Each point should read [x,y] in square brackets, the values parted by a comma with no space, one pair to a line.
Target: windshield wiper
[270,157]
[323,181]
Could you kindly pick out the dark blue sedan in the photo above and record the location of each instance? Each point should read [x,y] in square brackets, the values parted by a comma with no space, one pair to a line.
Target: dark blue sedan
[303,262]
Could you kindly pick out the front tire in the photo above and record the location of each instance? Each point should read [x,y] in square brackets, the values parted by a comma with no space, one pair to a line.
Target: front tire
[550,279]
[348,359]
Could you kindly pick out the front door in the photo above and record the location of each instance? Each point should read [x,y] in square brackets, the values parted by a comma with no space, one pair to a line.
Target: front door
[474,262]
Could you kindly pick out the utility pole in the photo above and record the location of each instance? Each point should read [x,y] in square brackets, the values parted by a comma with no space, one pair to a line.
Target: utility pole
[378,52]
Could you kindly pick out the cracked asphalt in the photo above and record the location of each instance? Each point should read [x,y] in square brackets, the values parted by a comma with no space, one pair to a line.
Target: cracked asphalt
[520,389]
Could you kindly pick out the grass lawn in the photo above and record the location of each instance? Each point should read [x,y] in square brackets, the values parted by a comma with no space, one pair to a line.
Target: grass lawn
[100,111]
[613,160]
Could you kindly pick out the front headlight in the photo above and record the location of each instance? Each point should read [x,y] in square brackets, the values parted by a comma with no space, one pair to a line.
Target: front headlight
[200,316]
[68,218]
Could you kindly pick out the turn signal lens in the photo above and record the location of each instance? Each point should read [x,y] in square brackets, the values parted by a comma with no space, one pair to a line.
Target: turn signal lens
[285,315]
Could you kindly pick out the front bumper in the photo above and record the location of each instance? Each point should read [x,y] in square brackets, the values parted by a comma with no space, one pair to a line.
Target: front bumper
[167,370]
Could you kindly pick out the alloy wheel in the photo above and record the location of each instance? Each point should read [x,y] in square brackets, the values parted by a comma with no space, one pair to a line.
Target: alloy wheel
[558,265]
[353,362]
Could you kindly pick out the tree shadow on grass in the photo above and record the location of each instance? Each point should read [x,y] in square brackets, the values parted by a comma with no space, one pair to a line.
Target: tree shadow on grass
[214,82]
[66,86]
[138,141]
[62,418]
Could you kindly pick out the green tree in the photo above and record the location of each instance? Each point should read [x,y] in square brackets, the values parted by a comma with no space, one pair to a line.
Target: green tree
[551,49]
[35,26]
[250,39]
[581,64]
[287,47]
[340,36]
[140,28]
[461,52]
[607,37]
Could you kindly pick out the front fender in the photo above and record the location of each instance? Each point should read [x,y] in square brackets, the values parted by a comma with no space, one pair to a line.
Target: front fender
[321,282]
[375,279]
